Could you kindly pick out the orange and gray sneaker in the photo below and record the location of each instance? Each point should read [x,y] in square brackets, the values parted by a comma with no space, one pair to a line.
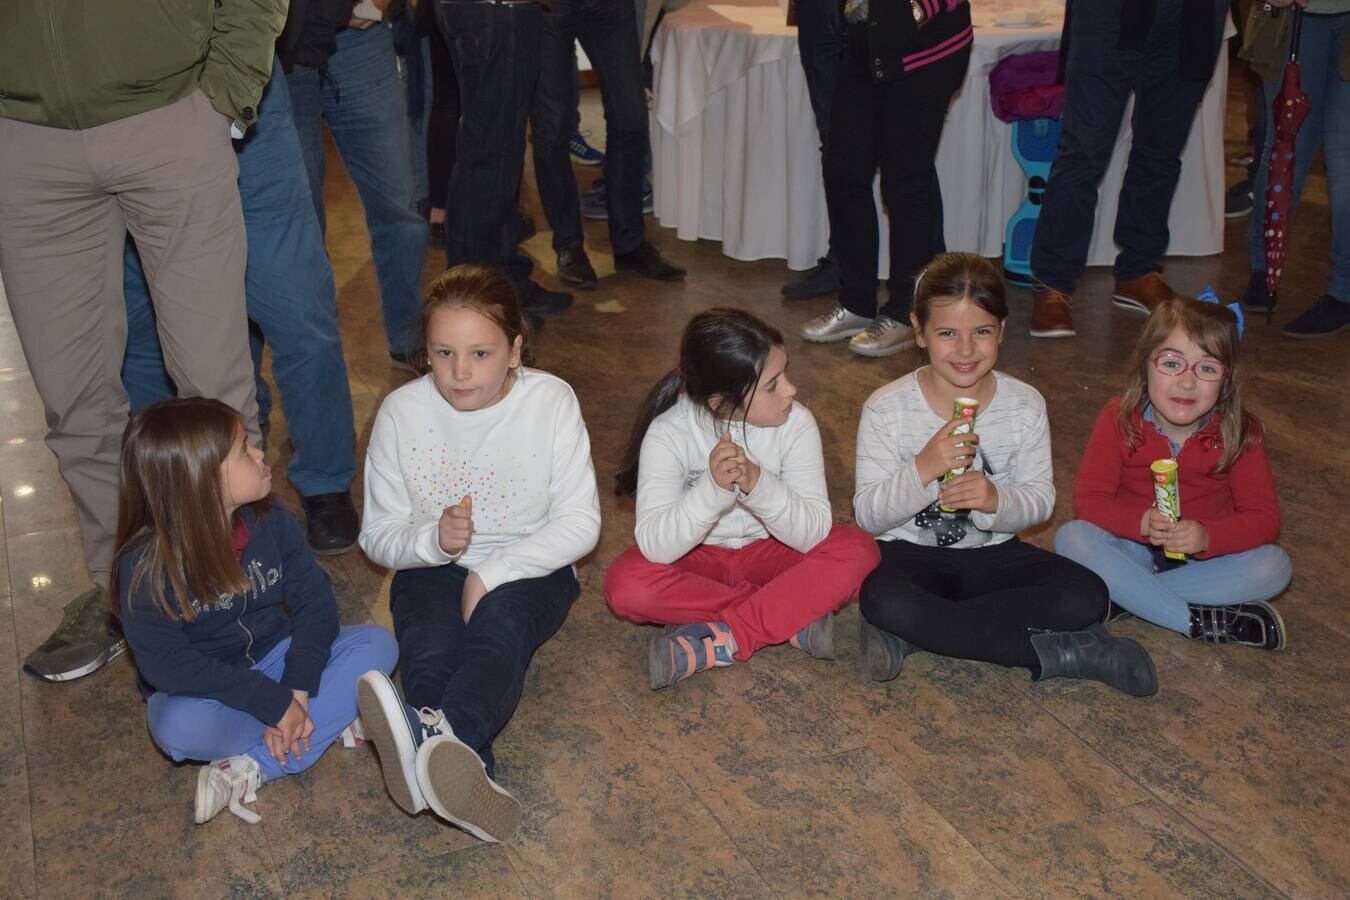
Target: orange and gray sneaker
[1142,294]
[682,651]
[816,638]
[1051,316]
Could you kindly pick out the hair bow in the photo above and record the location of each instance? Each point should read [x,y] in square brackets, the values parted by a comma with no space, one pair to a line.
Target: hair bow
[1209,296]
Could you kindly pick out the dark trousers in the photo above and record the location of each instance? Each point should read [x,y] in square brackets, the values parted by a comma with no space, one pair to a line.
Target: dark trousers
[895,125]
[980,603]
[495,48]
[474,671]
[608,33]
[1098,79]
[443,124]
[820,41]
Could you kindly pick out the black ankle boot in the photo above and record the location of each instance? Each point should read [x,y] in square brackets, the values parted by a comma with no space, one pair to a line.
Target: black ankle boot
[1094,654]
[882,653]
[1255,624]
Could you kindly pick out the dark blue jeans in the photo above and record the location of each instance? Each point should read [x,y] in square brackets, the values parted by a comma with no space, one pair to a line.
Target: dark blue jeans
[608,34]
[291,301]
[473,672]
[495,48]
[365,106]
[1098,80]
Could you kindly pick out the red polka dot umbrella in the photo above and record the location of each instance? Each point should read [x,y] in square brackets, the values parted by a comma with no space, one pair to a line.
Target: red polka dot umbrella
[1290,109]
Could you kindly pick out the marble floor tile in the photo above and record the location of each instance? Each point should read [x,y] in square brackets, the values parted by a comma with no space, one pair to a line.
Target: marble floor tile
[845,825]
[1139,851]
[35,496]
[484,872]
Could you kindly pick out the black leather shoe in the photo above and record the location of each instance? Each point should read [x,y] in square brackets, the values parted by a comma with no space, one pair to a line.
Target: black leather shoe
[575,269]
[542,300]
[331,523]
[1095,654]
[823,279]
[1256,624]
[648,262]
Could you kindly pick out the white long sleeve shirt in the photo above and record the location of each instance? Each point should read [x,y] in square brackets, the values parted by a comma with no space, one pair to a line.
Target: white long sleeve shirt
[679,506]
[1014,451]
[525,461]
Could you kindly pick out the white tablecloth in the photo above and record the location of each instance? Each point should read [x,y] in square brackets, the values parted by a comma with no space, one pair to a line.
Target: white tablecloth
[736,156]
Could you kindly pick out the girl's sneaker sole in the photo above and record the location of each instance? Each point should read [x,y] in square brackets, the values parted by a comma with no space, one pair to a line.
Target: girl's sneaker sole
[1129,303]
[386,726]
[457,788]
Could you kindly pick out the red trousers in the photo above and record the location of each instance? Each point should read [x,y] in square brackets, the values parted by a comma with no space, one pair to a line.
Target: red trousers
[766,592]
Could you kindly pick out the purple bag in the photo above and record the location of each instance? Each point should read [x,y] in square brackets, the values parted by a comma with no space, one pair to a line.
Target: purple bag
[1022,86]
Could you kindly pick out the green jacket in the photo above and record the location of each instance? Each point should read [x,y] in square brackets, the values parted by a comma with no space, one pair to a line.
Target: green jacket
[1265,40]
[80,63]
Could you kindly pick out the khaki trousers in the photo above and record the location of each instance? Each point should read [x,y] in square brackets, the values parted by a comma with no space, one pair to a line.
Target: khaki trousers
[68,198]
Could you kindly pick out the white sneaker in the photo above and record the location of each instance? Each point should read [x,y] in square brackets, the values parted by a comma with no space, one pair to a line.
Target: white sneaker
[396,730]
[456,785]
[353,735]
[883,337]
[836,325]
[231,782]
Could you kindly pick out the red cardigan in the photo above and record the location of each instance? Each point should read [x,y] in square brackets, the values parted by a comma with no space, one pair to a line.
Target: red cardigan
[1239,508]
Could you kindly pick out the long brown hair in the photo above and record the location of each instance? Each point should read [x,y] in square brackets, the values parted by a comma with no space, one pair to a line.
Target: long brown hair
[1214,330]
[487,292]
[170,509]
[722,354]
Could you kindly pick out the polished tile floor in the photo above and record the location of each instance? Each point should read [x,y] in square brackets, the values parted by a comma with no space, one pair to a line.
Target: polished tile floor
[783,776]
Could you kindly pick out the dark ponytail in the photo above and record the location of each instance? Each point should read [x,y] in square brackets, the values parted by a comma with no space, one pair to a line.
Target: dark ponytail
[722,355]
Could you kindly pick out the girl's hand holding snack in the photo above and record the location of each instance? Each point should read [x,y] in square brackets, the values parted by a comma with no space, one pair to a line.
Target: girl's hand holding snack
[973,490]
[456,526]
[1188,536]
[946,450]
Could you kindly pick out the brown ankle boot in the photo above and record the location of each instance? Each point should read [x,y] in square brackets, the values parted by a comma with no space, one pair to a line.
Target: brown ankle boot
[1143,293]
[1050,313]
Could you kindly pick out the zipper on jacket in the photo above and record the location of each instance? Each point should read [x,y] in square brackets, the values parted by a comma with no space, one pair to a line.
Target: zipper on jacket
[247,650]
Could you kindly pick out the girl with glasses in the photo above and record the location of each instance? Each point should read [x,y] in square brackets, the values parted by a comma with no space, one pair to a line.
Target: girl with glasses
[1183,402]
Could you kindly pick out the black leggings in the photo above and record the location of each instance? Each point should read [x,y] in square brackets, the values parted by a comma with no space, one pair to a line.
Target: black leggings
[980,603]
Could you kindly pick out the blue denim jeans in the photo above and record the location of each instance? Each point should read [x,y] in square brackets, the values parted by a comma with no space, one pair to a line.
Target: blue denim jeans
[608,34]
[200,729]
[362,99]
[1097,84]
[1327,126]
[495,49]
[473,672]
[291,302]
[1163,597]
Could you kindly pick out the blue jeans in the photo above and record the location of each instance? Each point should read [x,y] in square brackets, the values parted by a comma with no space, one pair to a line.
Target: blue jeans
[201,729]
[1163,598]
[607,33]
[291,301]
[473,672]
[495,49]
[1097,83]
[1327,126]
[363,101]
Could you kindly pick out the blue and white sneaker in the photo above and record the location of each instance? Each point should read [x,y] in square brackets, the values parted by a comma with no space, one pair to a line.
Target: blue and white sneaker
[676,654]
[396,730]
[583,154]
[816,638]
[457,787]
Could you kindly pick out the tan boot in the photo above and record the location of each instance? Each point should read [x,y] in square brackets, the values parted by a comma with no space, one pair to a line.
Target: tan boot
[1142,294]
[1051,316]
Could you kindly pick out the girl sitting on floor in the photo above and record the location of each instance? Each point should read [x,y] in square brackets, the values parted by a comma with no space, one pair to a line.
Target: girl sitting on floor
[736,545]
[960,582]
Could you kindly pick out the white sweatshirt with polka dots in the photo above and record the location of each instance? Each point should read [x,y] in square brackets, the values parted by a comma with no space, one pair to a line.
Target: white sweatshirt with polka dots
[525,461]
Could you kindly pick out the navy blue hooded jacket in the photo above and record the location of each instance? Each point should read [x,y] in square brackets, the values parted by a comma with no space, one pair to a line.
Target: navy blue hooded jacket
[212,656]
